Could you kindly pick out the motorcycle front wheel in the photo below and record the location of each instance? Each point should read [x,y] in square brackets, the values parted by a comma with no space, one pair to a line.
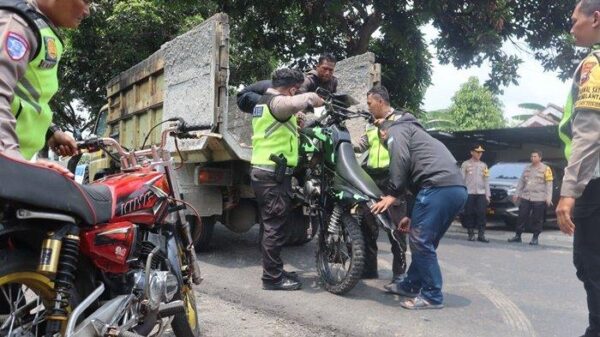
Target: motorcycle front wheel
[187,324]
[340,260]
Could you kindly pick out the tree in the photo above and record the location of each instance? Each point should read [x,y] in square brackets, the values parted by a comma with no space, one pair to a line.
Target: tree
[475,107]
[119,34]
[438,120]
[270,33]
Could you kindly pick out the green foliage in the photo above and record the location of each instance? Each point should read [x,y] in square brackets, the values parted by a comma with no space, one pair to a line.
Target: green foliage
[532,106]
[475,107]
[119,34]
[438,120]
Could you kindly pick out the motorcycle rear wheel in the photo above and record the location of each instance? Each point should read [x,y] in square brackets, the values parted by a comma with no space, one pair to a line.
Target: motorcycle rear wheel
[340,264]
[24,295]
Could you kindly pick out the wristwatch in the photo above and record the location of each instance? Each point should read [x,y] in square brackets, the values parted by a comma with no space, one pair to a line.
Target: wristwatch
[51,131]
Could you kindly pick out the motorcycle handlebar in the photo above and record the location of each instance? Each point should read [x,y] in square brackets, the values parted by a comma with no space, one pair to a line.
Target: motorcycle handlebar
[184,128]
[91,145]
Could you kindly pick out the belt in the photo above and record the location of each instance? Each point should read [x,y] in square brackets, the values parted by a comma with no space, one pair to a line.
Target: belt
[271,168]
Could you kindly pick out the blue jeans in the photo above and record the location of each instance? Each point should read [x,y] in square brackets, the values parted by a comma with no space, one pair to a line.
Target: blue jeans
[432,214]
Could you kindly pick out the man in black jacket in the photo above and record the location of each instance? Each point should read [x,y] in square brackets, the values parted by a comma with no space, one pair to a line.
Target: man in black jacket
[321,76]
[424,165]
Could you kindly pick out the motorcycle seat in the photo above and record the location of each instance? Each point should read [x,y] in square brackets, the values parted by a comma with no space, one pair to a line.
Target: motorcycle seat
[349,169]
[44,188]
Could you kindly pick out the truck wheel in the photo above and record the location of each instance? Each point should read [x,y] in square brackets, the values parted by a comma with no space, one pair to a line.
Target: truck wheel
[203,233]
[297,230]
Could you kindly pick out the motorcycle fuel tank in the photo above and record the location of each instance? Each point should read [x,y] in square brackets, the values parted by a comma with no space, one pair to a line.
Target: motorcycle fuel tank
[138,197]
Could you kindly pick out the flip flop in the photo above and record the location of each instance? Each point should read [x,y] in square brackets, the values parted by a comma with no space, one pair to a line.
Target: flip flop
[419,303]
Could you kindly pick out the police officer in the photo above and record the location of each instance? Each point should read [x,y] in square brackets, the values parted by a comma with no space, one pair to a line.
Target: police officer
[476,175]
[274,156]
[31,49]
[378,160]
[534,191]
[578,210]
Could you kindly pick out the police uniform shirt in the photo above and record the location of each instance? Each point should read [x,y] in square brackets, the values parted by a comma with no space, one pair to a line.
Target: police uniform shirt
[13,64]
[476,173]
[536,183]
[584,160]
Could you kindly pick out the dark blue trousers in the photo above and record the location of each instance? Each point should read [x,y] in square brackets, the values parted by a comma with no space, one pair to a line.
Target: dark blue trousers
[432,214]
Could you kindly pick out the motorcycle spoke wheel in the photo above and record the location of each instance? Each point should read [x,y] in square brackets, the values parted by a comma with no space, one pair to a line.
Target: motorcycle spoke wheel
[24,296]
[340,263]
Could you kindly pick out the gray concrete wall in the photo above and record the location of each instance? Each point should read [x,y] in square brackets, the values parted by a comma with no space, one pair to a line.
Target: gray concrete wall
[356,75]
[191,62]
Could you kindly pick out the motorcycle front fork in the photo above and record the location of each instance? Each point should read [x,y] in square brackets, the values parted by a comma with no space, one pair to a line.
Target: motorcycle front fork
[190,251]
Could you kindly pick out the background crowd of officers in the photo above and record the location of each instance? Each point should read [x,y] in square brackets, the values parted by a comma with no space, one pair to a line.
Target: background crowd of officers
[533,195]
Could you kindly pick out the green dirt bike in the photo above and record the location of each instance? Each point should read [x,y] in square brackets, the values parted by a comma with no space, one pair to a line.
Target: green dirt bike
[334,186]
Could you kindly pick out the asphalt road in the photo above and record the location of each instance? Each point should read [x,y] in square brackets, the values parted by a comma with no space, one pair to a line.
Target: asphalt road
[496,289]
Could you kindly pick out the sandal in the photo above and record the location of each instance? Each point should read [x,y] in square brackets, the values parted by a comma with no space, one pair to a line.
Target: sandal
[419,303]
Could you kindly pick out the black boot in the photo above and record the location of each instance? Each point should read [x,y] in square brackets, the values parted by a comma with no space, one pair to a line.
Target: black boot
[471,234]
[284,284]
[516,238]
[481,237]
[534,240]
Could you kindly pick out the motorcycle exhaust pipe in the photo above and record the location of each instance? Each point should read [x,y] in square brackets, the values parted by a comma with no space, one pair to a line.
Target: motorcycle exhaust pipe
[81,308]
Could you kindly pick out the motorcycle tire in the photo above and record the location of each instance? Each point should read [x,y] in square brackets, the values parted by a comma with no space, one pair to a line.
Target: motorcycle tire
[187,324]
[354,241]
[18,270]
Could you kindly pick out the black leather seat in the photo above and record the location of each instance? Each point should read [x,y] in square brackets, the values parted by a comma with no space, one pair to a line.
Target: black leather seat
[45,188]
[349,169]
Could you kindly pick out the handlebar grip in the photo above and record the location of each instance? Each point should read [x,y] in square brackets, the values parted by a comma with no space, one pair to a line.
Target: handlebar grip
[187,128]
[91,145]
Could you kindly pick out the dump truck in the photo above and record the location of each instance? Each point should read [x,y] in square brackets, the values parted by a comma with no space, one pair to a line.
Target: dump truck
[188,78]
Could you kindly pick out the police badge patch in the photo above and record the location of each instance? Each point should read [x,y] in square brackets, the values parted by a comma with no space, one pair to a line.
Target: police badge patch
[51,56]
[16,46]
[258,111]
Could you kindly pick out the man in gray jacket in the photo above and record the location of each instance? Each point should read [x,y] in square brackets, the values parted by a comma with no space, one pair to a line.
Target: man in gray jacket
[424,165]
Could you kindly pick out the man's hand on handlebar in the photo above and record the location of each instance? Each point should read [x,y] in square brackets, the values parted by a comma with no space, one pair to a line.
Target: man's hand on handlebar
[63,144]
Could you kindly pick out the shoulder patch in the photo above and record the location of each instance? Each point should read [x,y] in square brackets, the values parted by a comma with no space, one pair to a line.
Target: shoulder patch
[586,68]
[258,111]
[16,46]
[548,174]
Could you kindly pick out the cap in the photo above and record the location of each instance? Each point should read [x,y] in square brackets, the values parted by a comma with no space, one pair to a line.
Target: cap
[477,148]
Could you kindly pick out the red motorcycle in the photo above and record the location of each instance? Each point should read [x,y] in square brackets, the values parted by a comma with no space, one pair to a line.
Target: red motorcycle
[111,259]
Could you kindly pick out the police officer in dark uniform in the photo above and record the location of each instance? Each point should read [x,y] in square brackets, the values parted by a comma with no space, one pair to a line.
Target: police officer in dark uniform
[378,101]
[274,156]
[476,176]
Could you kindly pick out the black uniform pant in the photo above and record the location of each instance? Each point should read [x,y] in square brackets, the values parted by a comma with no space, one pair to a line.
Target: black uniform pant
[474,214]
[274,200]
[586,251]
[370,230]
[532,213]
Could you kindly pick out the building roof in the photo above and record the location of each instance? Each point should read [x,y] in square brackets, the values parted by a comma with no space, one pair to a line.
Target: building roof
[501,138]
